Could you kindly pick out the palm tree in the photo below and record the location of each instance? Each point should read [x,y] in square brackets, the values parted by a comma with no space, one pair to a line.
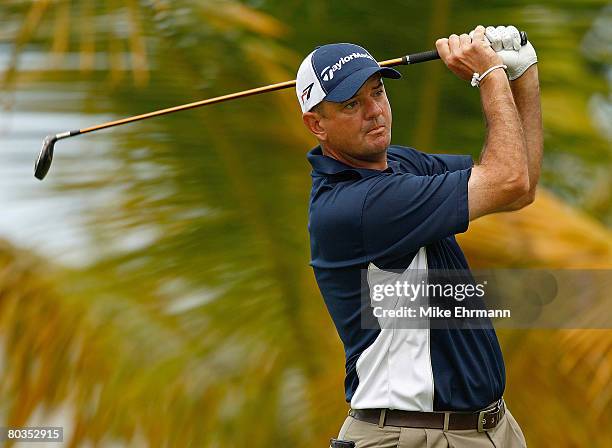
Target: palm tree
[209,329]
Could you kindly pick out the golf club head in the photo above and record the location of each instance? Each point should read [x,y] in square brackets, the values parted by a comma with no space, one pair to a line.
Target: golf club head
[45,157]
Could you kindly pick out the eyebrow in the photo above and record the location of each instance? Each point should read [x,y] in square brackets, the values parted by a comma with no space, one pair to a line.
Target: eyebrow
[380,84]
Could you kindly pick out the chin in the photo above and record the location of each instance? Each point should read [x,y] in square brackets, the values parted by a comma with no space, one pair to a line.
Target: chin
[380,145]
[374,153]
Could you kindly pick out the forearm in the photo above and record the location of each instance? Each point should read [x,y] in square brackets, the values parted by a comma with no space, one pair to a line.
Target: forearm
[504,155]
[501,176]
[526,93]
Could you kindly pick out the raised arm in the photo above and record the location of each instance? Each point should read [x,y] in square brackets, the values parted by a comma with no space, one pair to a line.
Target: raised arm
[526,92]
[501,178]
[525,87]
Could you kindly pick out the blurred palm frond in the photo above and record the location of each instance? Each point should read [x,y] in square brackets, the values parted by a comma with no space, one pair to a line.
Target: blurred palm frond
[211,331]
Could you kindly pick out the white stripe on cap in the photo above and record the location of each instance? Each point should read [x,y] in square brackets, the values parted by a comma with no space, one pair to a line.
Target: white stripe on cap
[307,87]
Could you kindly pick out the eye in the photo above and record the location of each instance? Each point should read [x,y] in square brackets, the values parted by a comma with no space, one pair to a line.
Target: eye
[351,105]
[379,92]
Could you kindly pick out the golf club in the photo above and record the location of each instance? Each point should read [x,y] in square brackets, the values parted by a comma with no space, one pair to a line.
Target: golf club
[45,157]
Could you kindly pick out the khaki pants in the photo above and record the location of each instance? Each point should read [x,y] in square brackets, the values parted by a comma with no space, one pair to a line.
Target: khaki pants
[507,434]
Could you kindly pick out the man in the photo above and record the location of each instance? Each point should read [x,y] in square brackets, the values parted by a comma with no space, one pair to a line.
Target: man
[378,206]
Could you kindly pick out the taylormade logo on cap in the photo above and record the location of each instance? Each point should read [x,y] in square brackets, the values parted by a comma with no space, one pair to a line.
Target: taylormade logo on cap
[335,72]
[328,72]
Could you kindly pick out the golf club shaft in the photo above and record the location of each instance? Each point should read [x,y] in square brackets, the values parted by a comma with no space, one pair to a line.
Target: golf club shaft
[409,59]
[406,60]
[429,55]
[45,156]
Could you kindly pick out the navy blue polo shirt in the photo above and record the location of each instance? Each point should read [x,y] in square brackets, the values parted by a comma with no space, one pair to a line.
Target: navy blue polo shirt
[403,217]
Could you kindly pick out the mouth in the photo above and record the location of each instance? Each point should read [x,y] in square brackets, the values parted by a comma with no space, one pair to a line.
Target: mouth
[376,130]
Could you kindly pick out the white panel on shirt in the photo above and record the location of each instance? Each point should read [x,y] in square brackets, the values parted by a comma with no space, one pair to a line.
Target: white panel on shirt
[395,371]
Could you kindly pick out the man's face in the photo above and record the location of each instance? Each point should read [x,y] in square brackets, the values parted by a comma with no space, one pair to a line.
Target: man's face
[360,127]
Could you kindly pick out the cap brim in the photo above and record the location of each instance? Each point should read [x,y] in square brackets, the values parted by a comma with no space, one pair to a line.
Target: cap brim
[349,86]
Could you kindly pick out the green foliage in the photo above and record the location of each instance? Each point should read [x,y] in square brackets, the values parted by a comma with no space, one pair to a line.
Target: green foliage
[199,323]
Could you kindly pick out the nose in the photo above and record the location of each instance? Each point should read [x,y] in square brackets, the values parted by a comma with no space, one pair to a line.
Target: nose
[373,109]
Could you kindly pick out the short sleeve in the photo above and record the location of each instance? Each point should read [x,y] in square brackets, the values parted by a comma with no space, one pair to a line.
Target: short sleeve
[440,163]
[403,212]
[424,164]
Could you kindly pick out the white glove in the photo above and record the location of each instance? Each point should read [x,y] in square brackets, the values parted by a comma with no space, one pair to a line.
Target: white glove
[506,41]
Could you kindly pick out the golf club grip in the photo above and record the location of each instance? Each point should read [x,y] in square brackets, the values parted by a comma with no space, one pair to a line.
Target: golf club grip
[431,55]
[423,56]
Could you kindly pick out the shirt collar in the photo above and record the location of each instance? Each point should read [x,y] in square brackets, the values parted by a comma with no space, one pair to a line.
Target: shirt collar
[329,166]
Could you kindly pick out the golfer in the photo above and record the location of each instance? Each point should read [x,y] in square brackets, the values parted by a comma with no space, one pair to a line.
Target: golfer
[375,205]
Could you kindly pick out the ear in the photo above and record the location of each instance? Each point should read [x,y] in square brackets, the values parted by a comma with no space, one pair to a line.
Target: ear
[313,120]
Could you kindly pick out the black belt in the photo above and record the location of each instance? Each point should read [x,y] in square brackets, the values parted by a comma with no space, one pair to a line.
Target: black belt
[483,420]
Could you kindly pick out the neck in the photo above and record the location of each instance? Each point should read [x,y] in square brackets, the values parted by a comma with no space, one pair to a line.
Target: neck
[376,162]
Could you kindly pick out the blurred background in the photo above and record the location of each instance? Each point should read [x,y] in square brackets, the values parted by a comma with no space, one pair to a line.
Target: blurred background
[155,288]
